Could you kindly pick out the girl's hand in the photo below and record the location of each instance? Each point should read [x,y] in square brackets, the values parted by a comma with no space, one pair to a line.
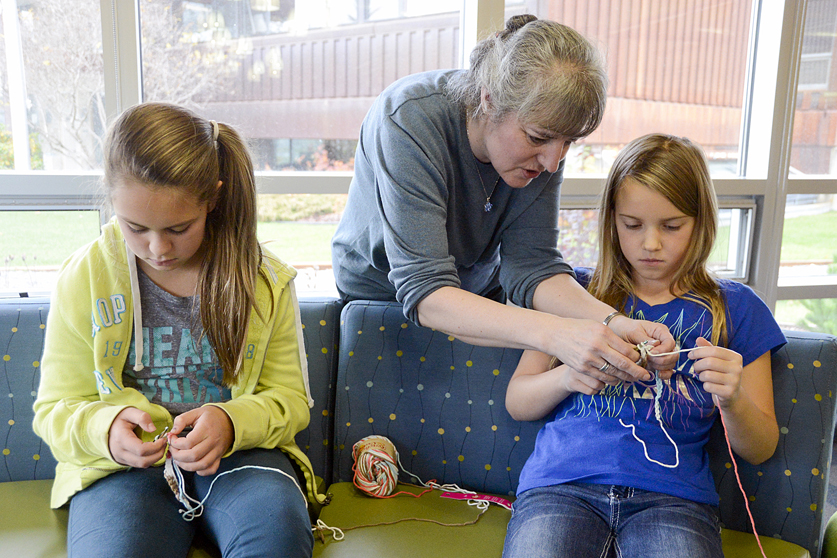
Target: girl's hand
[537,386]
[720,371]
[201,449]
[126,448]
[573,381]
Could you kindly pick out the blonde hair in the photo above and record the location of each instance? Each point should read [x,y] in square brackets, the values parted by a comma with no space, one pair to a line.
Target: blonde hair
[546,73]
[675,168]
[166,146]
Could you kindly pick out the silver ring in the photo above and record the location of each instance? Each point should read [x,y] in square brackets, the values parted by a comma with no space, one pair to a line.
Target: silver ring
[604,367]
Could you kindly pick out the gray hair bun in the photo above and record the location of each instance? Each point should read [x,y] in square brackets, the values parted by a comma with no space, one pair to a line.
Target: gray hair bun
[514,23]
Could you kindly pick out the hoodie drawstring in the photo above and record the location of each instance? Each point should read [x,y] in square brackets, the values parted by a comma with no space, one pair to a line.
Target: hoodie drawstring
[135,297]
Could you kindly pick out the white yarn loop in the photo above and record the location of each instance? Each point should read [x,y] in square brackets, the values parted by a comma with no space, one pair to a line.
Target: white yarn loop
[336,533]
[644,352]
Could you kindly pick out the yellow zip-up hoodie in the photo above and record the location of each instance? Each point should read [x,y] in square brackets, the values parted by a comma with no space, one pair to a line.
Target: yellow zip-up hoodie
[93,312]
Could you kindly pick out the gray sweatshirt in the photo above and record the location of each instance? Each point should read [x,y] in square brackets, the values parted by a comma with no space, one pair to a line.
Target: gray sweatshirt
[415,218]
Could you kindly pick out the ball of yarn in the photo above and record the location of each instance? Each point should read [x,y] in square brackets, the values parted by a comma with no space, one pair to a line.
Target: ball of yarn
[375,466]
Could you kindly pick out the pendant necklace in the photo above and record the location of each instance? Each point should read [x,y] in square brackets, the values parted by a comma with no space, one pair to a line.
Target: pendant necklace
[488,205]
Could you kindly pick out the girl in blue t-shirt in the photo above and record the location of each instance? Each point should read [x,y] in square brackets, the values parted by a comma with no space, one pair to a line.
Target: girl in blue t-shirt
[620,469]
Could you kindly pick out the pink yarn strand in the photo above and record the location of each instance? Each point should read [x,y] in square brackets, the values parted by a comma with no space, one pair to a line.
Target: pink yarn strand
[740,486]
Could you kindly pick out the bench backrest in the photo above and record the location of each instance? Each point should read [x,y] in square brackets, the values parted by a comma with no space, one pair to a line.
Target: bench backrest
[22,324]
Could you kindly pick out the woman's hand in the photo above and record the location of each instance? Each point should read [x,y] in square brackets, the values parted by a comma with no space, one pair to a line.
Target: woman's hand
[126,448]
[201,449]
[594,349]
[720,371]
[585,344]
[637,331]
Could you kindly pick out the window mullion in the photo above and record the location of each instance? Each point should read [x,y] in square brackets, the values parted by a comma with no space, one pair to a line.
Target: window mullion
[768,141]
[121,54]
[477,19]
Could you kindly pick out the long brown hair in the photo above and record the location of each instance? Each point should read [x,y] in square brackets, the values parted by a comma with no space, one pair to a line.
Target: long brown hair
[675,168]
[166,146]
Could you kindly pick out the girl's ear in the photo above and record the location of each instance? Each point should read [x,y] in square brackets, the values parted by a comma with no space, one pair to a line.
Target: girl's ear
[214,202]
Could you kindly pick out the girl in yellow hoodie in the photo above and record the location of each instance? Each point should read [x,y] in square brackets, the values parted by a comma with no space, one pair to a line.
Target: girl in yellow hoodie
[175,334]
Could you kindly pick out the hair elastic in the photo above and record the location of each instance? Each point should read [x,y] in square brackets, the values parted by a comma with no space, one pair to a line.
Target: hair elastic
[215,130]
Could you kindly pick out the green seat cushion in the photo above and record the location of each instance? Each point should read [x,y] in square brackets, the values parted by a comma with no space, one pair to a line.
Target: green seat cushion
[30,528]
[743,545]
[350,507]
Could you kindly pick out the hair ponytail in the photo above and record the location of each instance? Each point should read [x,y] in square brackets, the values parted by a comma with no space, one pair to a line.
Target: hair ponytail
[227,283]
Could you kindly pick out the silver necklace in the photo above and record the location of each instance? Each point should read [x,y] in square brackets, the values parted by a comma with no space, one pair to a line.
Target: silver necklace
[488,205]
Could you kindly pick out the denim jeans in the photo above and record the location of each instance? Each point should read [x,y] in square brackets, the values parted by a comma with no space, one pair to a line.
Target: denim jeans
[588,521]
[251,512]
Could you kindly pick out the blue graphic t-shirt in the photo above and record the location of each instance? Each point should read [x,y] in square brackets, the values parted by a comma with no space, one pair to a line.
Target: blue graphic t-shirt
[615,437]
[181,370]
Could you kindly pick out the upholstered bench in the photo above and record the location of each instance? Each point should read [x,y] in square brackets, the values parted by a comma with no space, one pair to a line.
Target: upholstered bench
[28,527]
[441,402]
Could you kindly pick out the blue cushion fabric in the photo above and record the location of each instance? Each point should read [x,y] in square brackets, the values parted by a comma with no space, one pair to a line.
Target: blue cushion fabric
[320,329]
[24,455]
[441,401]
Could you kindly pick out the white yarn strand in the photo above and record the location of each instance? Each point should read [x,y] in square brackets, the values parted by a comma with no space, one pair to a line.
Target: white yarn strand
[194,508]
[644,353]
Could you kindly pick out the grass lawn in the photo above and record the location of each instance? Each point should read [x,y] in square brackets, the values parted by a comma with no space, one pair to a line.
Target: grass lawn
[810,237]
[299,242]
[46,238]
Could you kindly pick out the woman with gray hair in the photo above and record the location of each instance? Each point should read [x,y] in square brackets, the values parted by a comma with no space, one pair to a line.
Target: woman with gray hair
[453,208]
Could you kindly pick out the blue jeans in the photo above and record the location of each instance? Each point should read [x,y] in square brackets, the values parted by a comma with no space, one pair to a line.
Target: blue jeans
[589,521]
[250,512]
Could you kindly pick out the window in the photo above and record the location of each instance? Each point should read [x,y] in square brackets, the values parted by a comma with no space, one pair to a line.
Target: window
[674,67]
[50,125]
[297,77]
[55,98]
[817,46]
[808,260]
[30,258]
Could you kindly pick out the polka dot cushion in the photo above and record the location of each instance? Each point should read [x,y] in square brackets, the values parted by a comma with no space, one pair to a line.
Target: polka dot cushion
[441,401]
[22,325]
